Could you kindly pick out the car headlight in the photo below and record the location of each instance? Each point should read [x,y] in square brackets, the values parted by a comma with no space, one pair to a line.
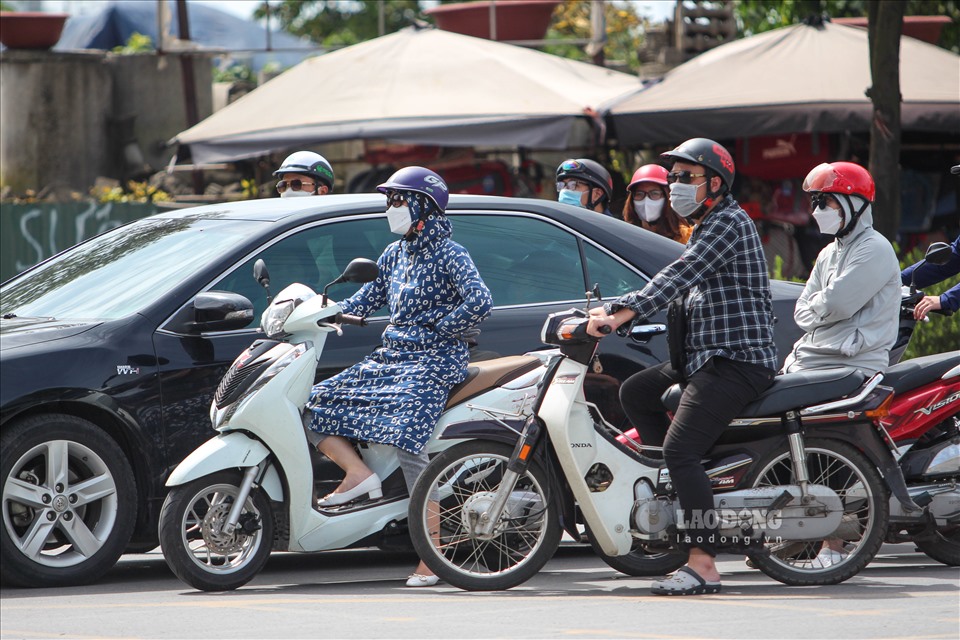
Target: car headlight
[274,317]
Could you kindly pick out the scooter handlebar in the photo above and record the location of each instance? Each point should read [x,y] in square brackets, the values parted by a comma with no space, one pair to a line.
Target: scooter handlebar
[346,318]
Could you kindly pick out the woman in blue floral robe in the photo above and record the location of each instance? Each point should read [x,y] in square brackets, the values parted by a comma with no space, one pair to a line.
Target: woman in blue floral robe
[396,395]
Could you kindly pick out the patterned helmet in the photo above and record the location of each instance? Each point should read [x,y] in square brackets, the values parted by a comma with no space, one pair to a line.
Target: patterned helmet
[310,164]
[706,153]
[420,180]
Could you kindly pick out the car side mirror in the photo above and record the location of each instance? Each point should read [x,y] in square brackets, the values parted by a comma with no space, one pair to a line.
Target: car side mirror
[220,311]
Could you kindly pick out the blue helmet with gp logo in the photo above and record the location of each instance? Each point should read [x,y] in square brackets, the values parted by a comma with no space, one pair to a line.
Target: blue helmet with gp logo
[420,180]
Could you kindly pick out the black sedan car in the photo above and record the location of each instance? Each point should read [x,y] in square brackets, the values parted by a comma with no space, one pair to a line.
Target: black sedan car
[109,357]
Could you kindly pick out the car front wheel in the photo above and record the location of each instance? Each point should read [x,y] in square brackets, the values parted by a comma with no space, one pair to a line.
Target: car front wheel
[68,502]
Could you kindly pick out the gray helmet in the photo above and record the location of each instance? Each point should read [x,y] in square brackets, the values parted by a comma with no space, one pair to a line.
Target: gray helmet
[706,153]
[589,171]
[310,164]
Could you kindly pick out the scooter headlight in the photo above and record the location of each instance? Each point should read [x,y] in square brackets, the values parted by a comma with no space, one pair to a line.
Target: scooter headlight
[275,316]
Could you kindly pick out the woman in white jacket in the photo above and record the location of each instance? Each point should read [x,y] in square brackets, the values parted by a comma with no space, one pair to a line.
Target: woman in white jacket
[850,306]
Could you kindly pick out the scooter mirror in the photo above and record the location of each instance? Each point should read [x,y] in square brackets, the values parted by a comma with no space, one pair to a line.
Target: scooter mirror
[260,273]
[938,253]
[361,270]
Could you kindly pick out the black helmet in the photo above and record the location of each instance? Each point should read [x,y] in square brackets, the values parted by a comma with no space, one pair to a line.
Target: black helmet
[308,163]
[589,171]
[706,153]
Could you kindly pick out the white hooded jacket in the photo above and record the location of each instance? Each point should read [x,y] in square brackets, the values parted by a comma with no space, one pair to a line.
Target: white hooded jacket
[850,306]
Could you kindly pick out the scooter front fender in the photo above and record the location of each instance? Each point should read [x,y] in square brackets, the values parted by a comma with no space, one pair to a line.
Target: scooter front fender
[232,450]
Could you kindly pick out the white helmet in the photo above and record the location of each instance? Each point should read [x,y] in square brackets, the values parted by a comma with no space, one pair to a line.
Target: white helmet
[310,164]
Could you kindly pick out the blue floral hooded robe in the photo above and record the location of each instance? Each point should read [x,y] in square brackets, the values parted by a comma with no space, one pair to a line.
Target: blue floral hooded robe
[435,294]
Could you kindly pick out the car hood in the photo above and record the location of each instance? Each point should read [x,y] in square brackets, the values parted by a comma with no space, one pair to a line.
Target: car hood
[22,332]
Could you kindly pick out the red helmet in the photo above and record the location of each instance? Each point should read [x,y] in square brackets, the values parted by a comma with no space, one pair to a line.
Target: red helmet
[841,177]
[649,173]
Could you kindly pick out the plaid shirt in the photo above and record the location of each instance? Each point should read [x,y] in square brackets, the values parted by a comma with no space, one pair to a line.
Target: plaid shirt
[723,274]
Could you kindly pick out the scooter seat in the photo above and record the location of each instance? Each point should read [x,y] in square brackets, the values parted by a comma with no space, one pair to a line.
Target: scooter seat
[487,374]
[790,391]
[919,371]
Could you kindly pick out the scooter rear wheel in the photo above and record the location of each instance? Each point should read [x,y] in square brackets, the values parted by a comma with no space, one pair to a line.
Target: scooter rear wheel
[192,539]
[945,547]
[866,502]
[465,478]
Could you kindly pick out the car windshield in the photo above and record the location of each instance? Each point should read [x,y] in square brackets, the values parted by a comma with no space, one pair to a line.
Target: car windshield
[122,271]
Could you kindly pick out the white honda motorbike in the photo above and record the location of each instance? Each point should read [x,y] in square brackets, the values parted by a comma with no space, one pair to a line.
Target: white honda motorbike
[806,462]
[252,488]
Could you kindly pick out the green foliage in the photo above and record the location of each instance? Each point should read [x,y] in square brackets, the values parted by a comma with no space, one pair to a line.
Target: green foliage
[334,23]
[942,333]
[136,43]
[778,271]
[135,192]
[235,73]
[756,16]
[571,20]
[4,6]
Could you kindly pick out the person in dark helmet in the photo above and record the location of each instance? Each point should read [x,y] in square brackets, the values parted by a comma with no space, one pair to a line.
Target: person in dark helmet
[585,183]
[727,358]
[395,395]
[304,173]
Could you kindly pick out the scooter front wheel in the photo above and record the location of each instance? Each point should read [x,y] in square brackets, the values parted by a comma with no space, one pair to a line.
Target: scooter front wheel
[447,512]
[194,544]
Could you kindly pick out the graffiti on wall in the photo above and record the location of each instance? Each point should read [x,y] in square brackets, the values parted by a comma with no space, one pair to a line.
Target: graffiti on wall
[32,233]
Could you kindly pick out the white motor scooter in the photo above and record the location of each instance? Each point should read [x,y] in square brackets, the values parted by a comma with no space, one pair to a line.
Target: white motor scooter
[251,488]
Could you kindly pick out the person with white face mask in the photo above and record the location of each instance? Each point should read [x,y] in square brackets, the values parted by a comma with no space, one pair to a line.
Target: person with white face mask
[395,395]
[850,306]
[725,350]
[647,207]
[304,173]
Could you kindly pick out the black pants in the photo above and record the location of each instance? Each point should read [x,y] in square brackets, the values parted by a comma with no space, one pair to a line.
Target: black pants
[714,395]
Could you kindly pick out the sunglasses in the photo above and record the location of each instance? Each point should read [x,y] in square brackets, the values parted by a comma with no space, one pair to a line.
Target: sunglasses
[572,185]
[654,194]
[820,200]
[296,185]
[571,165]
[683,177]
[395,199]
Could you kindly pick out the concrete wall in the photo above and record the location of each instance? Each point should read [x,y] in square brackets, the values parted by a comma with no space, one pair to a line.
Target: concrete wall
[53,118]
[65,118]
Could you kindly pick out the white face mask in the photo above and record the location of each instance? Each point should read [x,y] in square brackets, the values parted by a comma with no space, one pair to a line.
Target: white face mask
[399,219]
[829,220]
[683,199]
[290,193]
[648,210]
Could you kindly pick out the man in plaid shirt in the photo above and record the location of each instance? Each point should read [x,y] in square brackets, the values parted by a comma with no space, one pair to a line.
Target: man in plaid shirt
[729,350]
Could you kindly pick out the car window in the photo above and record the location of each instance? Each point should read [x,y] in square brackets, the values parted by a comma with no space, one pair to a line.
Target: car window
[314,257]
[614,278]
[122,271]
[522,259]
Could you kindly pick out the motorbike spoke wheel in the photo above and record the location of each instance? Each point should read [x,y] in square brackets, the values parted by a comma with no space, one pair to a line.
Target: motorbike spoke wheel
[865,500]
[451,498]
[194,544]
